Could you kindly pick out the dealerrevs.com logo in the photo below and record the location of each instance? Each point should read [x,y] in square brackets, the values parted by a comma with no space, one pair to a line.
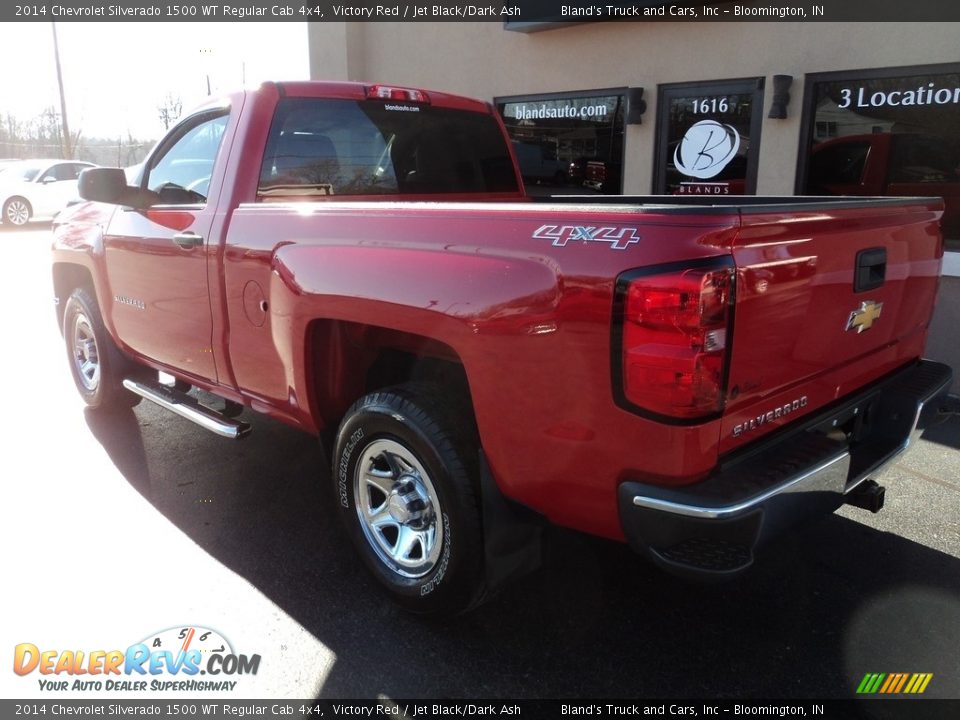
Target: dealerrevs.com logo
[171,660]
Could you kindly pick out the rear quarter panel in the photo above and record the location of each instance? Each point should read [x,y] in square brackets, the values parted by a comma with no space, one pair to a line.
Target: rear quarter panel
[529,318]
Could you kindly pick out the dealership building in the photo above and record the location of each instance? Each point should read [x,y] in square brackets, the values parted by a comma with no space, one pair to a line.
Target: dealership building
[705,108]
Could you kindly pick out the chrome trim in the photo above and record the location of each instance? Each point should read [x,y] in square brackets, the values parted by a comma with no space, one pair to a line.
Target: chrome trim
[824,477]
[191,410]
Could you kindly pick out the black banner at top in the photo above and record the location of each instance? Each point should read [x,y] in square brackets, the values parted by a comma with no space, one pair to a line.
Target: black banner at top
[520,15]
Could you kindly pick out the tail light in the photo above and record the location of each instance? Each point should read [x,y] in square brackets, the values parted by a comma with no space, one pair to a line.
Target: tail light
[384,92]
[673,339]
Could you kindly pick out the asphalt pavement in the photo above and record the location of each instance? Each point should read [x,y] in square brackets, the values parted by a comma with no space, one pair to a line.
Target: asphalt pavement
[117,527]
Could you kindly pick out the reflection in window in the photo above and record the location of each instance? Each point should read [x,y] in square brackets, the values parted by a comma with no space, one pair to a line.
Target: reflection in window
[832,165]
[924,159]
[826,129]
[567,145]
[182,174]
[894,136]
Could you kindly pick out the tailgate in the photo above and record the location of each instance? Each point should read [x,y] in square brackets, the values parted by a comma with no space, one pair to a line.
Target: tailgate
[829,297]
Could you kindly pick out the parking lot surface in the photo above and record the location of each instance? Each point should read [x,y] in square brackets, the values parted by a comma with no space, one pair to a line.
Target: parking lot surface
[117,527]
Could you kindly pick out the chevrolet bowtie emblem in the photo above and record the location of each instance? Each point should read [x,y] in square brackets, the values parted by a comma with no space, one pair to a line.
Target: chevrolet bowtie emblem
[863,318]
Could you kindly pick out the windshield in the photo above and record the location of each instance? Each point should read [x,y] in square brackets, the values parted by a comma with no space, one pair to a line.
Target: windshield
[320,147]
[23,172]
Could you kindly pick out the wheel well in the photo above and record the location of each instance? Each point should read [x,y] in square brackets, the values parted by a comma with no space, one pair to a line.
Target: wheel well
[350,360]
[18,197]
[66,279]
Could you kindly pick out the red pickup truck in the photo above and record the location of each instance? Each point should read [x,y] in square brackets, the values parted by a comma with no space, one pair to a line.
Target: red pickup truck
[688,375]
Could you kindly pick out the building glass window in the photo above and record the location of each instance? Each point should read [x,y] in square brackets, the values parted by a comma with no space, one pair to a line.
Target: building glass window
[894,133]
[708,138]
[567,144]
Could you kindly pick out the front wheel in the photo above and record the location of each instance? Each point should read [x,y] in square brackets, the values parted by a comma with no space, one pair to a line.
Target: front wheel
[95,362]
[407,498]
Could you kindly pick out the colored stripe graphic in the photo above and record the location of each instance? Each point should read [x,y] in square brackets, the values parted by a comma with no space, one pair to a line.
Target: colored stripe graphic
[891,681]
[870,683]
[862,687]
[894,683]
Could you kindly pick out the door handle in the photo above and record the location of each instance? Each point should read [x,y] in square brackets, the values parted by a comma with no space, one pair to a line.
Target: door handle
[188,240]
[871,269]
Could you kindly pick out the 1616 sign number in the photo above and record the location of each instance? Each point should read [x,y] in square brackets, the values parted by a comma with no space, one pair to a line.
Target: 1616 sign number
[702,106]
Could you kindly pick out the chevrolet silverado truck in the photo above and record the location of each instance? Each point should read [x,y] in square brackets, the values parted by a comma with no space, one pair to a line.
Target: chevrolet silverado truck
[687,375]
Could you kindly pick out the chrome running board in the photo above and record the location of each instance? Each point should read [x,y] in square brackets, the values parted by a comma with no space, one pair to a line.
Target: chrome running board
[189,408]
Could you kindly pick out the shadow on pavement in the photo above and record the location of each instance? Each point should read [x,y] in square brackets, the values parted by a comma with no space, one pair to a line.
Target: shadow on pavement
[946,429]
[823,607]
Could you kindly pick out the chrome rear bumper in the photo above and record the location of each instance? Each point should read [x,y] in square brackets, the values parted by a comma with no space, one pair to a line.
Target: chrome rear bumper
[712,528]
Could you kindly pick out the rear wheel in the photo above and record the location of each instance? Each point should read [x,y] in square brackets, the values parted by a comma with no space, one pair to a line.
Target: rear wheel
[408,499]
[17,211]
[95,362]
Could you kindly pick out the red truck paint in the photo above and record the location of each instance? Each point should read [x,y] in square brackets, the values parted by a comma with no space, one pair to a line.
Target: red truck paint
[286,305]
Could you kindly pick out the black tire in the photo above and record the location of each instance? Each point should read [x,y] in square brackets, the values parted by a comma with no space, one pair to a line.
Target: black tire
[417,493]
[17,212]
[97,366]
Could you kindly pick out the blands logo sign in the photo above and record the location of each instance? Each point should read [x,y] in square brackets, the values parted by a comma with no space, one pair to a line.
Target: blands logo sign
[706,149]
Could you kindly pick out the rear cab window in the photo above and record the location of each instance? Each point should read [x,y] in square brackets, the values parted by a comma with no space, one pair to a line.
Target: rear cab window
[321,148]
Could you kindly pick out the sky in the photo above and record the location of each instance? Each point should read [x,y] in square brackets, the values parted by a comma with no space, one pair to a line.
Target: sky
[116,74]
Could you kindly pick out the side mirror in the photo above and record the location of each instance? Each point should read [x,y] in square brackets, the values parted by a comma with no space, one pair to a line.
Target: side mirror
[109,185]
[105,185]
[48,179]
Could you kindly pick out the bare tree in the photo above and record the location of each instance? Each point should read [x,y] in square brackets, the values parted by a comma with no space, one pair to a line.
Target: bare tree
[170,110]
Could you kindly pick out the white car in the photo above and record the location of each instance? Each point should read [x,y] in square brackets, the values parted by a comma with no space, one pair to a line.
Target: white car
[37,189]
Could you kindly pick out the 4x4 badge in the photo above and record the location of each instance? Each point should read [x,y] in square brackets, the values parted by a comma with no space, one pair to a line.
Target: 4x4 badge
[864,317]
[618,238]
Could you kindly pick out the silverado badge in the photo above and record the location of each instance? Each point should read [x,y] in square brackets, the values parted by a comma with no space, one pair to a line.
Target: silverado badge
[864,317]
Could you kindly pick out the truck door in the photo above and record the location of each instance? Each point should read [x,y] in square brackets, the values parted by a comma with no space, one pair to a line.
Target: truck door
[157,258]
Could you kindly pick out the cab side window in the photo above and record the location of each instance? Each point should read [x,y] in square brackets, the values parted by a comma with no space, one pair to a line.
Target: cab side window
[181,173]
[50,175]
[62,171]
